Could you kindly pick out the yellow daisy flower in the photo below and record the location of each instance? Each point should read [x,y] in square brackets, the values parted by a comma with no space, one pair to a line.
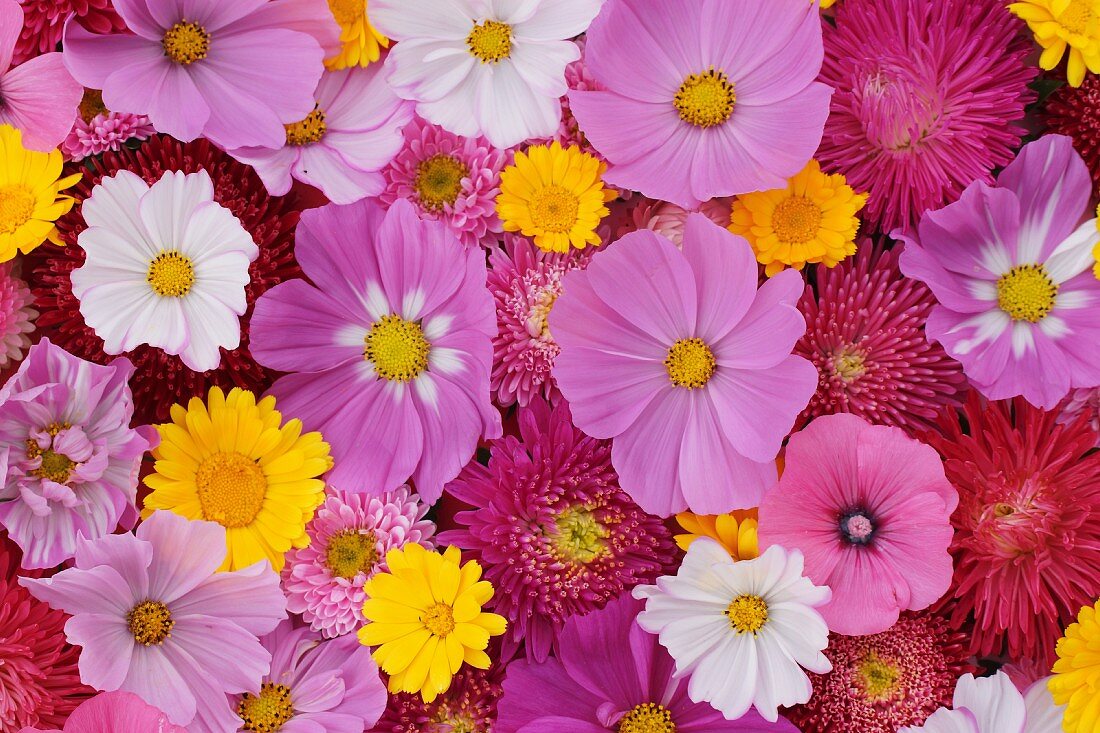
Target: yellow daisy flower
[30,199]
[554,195]
[735,531]
[1076,680]
[360,43]
[811,220]
[1061,25]
[424,615]
[234,462]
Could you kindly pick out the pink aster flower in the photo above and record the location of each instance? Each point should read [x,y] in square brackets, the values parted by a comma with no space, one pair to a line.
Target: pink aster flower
[676,356]
[348,540]
[451,178]
[343,144]
[43,21]
[70,459]
[390,353]
[155,618]
[105,131]
[232,72]
[16,316]
[1011,269]
[871,510]
[724,107]
[115,712]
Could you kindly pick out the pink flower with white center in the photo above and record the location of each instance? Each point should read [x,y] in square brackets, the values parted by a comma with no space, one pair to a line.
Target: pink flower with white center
[16,316]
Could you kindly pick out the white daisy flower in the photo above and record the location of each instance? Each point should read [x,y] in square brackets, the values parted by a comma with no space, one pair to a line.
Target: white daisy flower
[165,265]
[742,630]
[994,705]
[484,67]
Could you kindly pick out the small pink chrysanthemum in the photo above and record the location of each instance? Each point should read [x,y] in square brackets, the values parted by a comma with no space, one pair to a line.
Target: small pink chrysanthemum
[106,131]
[44,20]
[16,316]
[451,178]
[468,706]
[348,541]
[668,219]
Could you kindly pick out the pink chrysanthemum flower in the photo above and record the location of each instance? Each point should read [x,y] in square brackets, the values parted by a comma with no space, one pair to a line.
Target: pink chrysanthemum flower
[348,541]
[1084,401]
[555,533]
[668,219]
[98,130]
[44,21]
[451,178]
[923,104]
[469,705]
[525,282]
[16,316]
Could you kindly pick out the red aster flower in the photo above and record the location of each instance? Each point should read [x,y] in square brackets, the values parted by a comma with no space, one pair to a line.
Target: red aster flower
[1075,111]
[468,706]
[886,681]
[865,335]
[43,21]
[162,380]
[1027,543]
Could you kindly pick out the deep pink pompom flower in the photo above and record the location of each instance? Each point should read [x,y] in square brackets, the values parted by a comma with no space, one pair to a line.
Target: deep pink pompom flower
[16,316]
[105,131]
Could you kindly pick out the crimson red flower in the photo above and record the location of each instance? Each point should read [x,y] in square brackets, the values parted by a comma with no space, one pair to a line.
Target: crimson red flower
[469,704]
[43,21]
[1075,111]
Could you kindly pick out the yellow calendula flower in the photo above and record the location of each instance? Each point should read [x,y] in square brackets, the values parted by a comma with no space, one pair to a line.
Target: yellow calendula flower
[232,461]
[1076,680]
[735,531]
[360,43]
[30,198]
[424,615]
[1065,25]
[554,195]
[811,220]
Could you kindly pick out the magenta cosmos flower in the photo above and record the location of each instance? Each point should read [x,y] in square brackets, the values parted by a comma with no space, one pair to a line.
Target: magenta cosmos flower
[68,458]
[234,72]
[677,356]
[870,508]
[391,351]
[1011,269]
[115,712]
[726,102]
[154,617]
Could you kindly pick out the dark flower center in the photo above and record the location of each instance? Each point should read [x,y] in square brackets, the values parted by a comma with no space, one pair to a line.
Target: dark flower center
[857,527]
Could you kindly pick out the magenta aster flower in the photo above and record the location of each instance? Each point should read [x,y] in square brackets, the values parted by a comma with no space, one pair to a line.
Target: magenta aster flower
[154,617]
[71,459]
[115,712]
[391,352]
[232,72]
[551,528]
[924,105]
[348,540]
[871,510]
[451,178]
[469,705]
[16,316]
[43,21]
[710,116]
[677,356]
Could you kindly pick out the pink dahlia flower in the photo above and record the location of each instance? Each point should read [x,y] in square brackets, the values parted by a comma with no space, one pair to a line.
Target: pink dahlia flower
[870,508]
[105,131]
[1011,269]
[234,72]
[155,618]
[16,316]
[722,107]
[70,457]
[390,353]
[342,145]
[348,540]
[677,356]
[451,178]
[115,712]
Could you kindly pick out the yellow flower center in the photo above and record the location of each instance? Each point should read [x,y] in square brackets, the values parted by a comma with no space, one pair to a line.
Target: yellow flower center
[439,619]
[1077,17]
[849,365]
[554,209]
[1026,293]
[690,363]
[397,348]
[454,721]
[706,99]
[747,613]
[55,467]
[879,678]
[268,711]
[348,12]
[91,105]
[580,536]
[538,323]
[649,717]
[490,41]
[185,43]
[16,207]
[231,489]
[796,220]
[307,131]
[150,622]
[171,274]
[439,181]
[351,552]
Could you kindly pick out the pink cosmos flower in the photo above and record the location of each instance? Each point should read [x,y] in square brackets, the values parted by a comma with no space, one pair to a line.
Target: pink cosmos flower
[390,352]
[154,617]
[68,457]
[105,131]
[234,72]
[676,356]
[870,508]
[727,102]
[16,316]
[115,712]
[1011,269]
[342,145]
[39,96]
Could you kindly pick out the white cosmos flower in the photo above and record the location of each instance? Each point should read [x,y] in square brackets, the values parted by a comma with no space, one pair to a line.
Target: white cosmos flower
[742,630]
[165,265]
[484,67]
[994,705]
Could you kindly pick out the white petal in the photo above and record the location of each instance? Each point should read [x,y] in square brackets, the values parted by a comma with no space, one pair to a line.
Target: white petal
[995,702]
[1074,255]
[115,205]
[169,204]
[1043,716]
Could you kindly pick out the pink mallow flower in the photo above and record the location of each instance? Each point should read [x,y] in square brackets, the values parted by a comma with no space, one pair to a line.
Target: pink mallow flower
[115,712]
